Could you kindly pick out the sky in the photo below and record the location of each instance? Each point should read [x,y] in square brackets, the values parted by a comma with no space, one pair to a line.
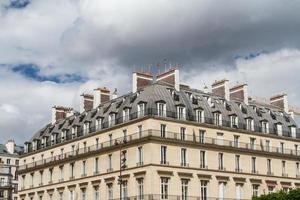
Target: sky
[53,51]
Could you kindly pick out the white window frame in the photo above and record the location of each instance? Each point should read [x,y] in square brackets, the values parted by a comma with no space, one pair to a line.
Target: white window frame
[161,109]
[199,115]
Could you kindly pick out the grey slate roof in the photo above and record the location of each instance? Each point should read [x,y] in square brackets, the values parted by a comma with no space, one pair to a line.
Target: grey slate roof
[159,92]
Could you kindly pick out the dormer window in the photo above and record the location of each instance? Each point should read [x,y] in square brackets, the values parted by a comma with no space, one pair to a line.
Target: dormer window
[44,142]
[181,114]
[86,127]
[53,138]
[279,129]
[98,123]
[161,109]
[293,131]
[63,135]
[234,121]
[218,119]
[126,115]
[34,144]
[111,119]
[250,124]
[264,127]
[74,132]
[141,107]
[199,115]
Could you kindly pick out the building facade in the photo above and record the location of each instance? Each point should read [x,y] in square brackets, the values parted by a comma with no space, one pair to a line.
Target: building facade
[164,141]
[9,163]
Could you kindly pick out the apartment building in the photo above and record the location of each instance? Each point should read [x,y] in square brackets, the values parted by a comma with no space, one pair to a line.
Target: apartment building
[163,140]
[9,163]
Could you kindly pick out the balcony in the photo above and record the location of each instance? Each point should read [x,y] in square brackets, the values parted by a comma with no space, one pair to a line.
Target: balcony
[155,135]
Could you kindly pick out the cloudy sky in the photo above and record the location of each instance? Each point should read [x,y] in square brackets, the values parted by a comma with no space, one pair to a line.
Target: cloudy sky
[52,51]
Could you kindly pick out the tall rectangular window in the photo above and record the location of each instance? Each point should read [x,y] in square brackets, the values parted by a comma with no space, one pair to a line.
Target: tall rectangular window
[51,175]
[234,121]
[281,147]
[84,168]
[140,156]
[236,141]
[202,136]
[269,167]
[199,116]
[180,112]
[221,191]
[237,163]
[238,191]
[110,162]
[124,190]
[163,130]
[252,143]
[253,163]
[140,188]
[141,109]
[83,194]
[283,168]
[72,170]
[110,191]
[203,190]
[96,193]
[72,195]
[110,140]
[140,130]
[125,135]
[264,127]
[183,157]
[296,149]
[163,155]
[61,172]
[255,189]
[161,109]
[184,189]
[96,165]
[250,124]
[126,115]
[218,119]
[182,133]
[164,188]
[221,165]
[202,160]
[267,145]
[297,170]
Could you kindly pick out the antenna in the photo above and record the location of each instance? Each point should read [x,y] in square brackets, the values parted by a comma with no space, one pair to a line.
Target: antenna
[165,62]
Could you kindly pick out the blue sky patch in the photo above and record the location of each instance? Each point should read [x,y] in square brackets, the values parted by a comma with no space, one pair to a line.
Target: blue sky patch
[32,71]
[250,55]
[18,4]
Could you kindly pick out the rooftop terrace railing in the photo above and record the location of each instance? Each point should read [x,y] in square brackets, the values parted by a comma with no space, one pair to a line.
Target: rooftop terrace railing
[157,134]
[151,112]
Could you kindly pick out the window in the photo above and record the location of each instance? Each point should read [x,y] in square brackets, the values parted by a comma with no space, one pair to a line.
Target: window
[297,170]
[110,162]
[110,191]
[199,116]
[238,191]
[97,143]
[201,136]
[252,143]
[110,140]
[31,178]
[293,131]
[202,160]
[253,163]
[161,109]
[124,190]
[86,127]
[203,190]
[84,147]
[164,189]
[126,115]
[218,119]
[50,175]
[125,134]
[184,189]
[234,121]
[72,196]
[279,129]
[249,124]
[270,189]
[140,127]
[255,189]
[96,193]
[221,166]
[264,127]
[163,155]
[8,161]
[283,168]
[74,131]
[111,119]
[181,112]
[96,165]
[237,163]
[281,147]
[41,177]
[141,109]
[296,149]
[72,170]
[17,162]
[221,191]
[98,123]
[51,197]
[140,188]
[140,158]
[83,194]
[267,145]
[182,133]
[61,173]
[236,141]
[183,157]
[84,168]
[61,196]
[163,128]
[269,167]
[220,140]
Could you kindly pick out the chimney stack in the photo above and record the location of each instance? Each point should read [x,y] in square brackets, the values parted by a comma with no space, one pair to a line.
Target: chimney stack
[101,95]
[221,88]
[141,80]
[280,101]
[60,112]
[10,146]
[239,92]
[86,102]
[170,77]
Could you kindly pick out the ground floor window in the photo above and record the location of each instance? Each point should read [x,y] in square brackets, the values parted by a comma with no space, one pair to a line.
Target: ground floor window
[164,188]
[203,189]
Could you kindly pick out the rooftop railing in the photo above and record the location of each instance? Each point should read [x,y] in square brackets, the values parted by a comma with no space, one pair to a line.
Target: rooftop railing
[151,112]
[188,138]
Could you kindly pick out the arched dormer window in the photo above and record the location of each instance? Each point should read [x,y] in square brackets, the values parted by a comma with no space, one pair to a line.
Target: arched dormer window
[199,115]
[181,112]
[141,108]
[161,108]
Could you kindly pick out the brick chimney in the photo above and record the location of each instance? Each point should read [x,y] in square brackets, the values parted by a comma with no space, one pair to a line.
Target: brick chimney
[60,112]
[221,88]
[86,102]
[101,95]
[239,92]
[170,77]
[280,101]
[141,80]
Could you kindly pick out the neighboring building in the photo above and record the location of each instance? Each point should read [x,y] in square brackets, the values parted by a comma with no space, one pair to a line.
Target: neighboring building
[9,163]
[171,142]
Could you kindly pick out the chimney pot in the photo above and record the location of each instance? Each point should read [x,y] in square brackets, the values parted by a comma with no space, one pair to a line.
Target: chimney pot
[86,102]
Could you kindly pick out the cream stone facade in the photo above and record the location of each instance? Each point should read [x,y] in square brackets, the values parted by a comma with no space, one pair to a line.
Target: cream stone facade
[169,154]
